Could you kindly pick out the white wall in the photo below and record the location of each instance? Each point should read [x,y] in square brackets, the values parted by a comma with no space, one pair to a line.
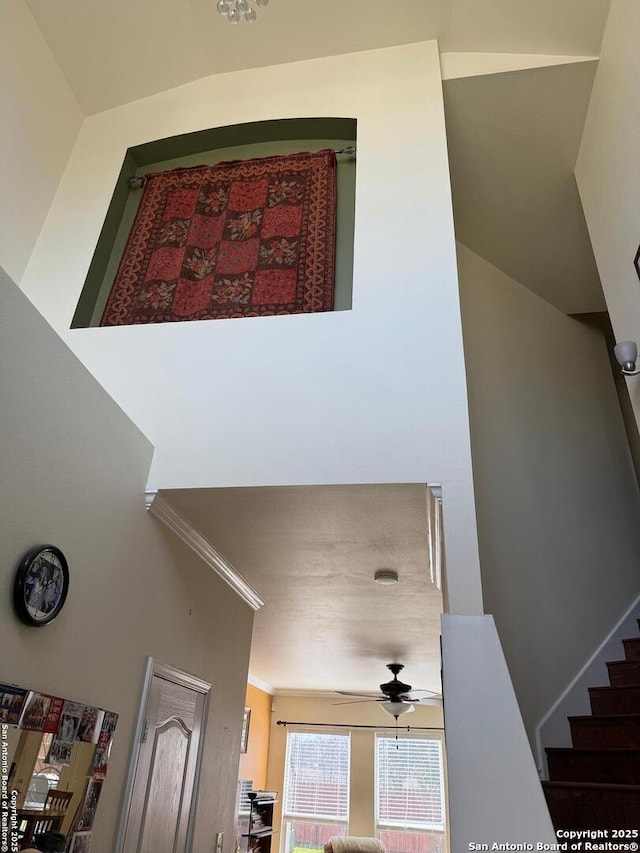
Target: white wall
[494,792]
[73,474]
[608,172]
[41,120]
[556,496]
[323,709]
[376,394]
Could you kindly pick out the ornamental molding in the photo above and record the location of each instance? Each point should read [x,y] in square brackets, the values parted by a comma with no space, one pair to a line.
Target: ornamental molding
[193,539]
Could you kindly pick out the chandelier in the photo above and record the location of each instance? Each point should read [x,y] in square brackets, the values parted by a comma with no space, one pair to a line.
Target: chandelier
[234,10]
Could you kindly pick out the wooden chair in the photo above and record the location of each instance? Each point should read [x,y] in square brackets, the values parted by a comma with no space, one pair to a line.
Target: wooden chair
[58,802]
[45,824]
[55,810]
[32,822]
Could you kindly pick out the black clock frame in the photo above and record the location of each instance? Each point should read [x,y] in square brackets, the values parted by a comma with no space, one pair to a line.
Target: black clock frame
[19,585]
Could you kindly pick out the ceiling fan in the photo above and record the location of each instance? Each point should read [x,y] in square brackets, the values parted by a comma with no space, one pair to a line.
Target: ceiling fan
[397,697]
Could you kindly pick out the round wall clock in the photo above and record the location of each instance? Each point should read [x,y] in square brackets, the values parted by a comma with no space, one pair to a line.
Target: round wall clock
[41,585]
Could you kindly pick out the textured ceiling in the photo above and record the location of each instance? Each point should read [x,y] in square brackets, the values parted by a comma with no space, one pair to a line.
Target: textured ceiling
[513,143]
[311,552]
[115,51]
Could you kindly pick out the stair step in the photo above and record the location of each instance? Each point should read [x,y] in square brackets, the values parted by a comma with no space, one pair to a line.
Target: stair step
[632,648]
[606,731]
[623,673]
[615,700]
[612,766]
[583,805]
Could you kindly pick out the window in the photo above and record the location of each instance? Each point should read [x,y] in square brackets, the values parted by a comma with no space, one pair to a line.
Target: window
[45,776]
[410,813]
[316,789]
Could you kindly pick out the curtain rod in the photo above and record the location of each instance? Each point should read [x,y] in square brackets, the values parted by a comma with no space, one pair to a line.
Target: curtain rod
[360,726]
[136,182]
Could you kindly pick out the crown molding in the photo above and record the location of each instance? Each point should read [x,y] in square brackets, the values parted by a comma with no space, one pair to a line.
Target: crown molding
[260,685]
[194,540]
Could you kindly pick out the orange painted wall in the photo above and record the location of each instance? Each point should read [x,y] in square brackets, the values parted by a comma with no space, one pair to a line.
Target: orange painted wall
[253,762]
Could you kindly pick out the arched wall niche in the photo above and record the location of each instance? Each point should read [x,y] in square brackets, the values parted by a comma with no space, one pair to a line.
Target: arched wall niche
[216,145]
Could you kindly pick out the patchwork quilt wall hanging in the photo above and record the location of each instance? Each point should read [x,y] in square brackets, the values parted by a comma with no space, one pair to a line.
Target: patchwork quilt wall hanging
[245,238]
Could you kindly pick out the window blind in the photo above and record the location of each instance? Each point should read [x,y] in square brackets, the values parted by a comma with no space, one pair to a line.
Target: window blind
[316,783]
[244,804]
[409,784]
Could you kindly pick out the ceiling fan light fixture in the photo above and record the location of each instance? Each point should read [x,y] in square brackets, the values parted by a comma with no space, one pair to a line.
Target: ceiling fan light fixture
[386,577]
[397,709]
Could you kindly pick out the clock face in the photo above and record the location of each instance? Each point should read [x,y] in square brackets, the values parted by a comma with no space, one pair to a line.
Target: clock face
[41,585]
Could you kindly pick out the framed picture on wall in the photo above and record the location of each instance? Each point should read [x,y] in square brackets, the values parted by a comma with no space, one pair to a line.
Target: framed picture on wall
[244,739]
[80,842]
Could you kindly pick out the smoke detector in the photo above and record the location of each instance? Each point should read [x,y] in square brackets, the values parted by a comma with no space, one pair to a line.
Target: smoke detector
[386,577]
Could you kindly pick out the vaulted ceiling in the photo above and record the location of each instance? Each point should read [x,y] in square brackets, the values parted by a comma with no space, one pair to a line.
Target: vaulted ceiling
[513,143]
[117,51]
[513,140]
[513,137]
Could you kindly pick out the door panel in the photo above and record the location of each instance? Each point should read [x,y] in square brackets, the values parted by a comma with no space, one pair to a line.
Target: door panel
[165,776]
[166,787]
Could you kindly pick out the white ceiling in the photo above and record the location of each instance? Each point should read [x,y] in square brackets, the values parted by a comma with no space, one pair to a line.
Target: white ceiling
[311,553]
[513,143]
[115,51]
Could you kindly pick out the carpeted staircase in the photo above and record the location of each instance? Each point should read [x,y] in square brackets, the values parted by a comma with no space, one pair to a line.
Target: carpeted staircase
[596,783]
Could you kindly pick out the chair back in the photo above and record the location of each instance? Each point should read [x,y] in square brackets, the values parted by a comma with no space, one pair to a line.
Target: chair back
[46,824]
[57,801]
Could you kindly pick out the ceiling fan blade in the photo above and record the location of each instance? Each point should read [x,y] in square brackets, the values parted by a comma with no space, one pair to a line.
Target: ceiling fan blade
[361,695]
[394,691]
[415,695]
